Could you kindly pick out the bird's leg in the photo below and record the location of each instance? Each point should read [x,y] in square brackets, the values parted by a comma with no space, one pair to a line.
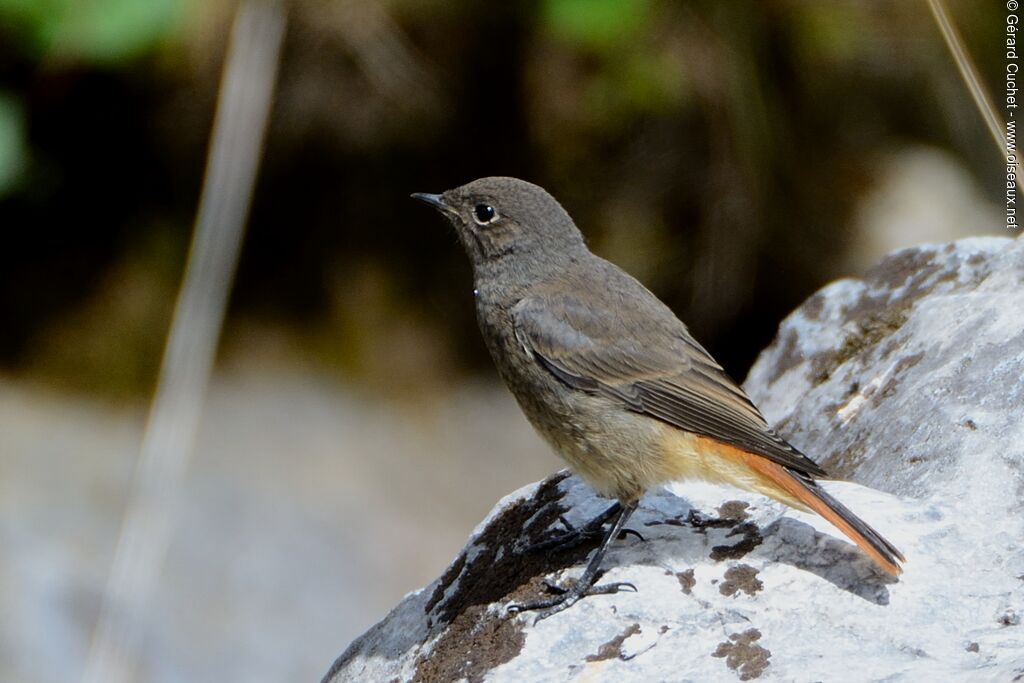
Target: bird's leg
[584,585]
[574,536]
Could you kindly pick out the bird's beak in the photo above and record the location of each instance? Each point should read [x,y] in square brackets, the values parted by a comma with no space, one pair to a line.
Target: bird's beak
[434,200]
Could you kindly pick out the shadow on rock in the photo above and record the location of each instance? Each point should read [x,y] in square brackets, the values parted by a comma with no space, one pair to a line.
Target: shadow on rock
[732,536]
[839,562]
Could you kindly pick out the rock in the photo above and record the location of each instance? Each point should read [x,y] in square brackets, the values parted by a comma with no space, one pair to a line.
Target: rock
[908,381]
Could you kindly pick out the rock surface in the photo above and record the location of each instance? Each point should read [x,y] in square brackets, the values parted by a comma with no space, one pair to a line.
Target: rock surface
[908,381]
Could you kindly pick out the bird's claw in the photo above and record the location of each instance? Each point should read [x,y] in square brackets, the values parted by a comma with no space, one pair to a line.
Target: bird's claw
[627,532]
[565,598]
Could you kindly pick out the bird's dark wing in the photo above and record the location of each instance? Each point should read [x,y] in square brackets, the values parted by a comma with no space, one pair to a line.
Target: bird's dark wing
[649,362]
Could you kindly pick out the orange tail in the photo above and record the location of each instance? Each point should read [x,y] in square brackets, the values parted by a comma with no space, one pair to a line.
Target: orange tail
[808,492]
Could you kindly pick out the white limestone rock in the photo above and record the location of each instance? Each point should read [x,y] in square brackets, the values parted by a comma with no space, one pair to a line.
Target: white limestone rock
[909,381]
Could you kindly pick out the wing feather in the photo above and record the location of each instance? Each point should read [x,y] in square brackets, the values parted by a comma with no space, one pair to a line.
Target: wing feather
[665,373]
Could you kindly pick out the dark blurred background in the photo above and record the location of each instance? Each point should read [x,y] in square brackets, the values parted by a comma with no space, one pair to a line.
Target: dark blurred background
[735,156]
[717,150]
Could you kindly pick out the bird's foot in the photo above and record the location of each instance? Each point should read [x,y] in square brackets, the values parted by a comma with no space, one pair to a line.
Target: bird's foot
[565,598]
[575,536]
[570,538]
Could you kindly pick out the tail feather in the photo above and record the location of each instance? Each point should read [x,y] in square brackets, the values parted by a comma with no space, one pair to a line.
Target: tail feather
[809,493]
[859,531]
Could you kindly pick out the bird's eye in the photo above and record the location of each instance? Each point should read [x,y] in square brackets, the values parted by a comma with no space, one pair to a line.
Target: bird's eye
[484,213]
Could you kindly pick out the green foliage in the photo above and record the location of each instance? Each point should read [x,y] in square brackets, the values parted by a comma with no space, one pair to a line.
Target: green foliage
[103,31]
[624,62]
[597,24]
[836,31]
[13,150]
[641,82]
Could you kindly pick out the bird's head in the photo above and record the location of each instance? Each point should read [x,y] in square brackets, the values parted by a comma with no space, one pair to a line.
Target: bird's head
[503,219]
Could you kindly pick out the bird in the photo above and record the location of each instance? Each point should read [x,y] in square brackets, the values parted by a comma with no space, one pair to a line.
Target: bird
[612,379]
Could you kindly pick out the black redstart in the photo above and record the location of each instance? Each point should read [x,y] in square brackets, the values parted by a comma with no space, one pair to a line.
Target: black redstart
[611,378]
